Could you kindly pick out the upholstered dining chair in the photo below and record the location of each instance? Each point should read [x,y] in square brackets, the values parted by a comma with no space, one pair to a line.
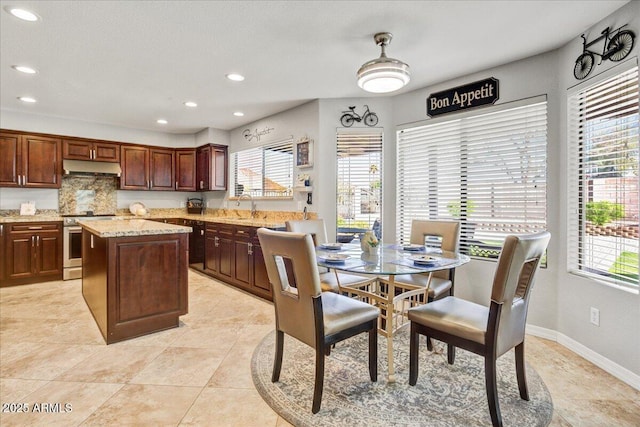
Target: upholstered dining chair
[487,331]
[330,280]
[318,319]
[441,284]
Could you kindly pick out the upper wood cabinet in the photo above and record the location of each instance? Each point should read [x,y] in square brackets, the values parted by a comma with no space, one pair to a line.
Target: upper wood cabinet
[147,168]
[30,160]
[185,169]
[211,168]
[87,149]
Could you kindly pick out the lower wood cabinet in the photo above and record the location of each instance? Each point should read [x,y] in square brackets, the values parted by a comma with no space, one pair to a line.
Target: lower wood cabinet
[32,253]
[233,254]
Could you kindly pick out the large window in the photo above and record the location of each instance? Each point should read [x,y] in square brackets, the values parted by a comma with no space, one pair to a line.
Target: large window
[603,179]
[265,172]
[487,171]
[359,182]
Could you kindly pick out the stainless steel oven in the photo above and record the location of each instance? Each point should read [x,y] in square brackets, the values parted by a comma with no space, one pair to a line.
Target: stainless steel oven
[72,246]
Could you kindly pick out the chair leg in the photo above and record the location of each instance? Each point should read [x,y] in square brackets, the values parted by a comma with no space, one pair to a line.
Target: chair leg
[277,362]
[451,353]
[492,391]
[319,382]
[373,353]
[429,343]
[520,372]
[413,355]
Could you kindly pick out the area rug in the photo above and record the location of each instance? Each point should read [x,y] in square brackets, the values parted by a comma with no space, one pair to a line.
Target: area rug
[445,395]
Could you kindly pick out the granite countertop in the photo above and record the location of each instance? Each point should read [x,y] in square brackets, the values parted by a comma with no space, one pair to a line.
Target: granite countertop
[230,219]
[131,227]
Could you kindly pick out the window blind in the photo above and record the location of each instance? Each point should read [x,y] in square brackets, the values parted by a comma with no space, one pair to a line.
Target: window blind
[603,179]
[265,171]
[487,171]
[359,180]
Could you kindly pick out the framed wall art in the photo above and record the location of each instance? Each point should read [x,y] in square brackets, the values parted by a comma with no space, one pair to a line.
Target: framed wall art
[304,153]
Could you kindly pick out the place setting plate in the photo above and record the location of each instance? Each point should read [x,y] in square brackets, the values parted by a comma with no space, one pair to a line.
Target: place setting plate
[424,260]
[333,258]
[331,246]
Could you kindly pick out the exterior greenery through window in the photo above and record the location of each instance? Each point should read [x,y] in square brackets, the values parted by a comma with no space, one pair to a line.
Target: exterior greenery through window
[487,170]
[359,182]
[265,171]
[603,178]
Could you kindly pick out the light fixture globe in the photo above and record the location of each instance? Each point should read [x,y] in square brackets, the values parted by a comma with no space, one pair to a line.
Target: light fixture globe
[383,75]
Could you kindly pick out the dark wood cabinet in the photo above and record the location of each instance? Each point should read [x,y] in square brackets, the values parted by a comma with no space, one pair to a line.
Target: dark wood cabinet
[233,255]
[196,241]
[33,253]
[30,160]
[2,255]
[211,167]
[185,169]
[91,150]
[147,168]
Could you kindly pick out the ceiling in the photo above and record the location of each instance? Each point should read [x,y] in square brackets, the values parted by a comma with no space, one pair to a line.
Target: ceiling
[129,63]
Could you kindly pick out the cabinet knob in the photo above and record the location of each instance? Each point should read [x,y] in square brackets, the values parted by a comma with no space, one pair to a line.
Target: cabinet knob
[250,248]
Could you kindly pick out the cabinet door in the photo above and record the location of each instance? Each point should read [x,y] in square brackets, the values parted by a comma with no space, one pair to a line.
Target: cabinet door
[219,174]
[2,257]
[76,149]
[203,166]
[211,250]
[260,277]
[161,169]
[186,169]
[9,159]
[135,168]
[49,252]
[226,254]
[243,268]
[20,260]
[41,161]
[106,152]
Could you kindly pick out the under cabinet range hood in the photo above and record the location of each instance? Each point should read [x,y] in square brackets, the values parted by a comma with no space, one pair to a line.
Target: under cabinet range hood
[83,167]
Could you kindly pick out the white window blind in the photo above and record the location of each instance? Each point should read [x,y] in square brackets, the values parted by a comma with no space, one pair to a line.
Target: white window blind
[603,179]
[359,182]
[265,171]
[486,170]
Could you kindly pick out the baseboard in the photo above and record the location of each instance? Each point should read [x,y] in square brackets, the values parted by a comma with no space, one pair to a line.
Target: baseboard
[623,374]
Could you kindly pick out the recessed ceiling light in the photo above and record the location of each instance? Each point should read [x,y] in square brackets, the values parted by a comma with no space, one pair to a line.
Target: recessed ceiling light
[235,77]
[24,69]
[27,99]
[190,104]
[23,14]
[238,114]
[162,121]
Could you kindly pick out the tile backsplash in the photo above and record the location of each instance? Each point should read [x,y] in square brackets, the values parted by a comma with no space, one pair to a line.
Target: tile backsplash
[79,194]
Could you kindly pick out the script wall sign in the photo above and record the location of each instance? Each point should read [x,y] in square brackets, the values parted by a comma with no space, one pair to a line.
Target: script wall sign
[256,134]
[471,95]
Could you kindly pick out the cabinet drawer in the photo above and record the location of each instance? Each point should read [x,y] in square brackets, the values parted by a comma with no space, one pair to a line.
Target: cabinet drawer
[16,228]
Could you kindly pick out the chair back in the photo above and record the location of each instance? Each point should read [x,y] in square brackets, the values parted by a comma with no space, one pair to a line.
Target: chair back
[293,306]
[448,231]
[512,284]
[315,227]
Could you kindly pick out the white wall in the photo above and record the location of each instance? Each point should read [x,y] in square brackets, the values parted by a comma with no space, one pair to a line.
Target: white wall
[618,336]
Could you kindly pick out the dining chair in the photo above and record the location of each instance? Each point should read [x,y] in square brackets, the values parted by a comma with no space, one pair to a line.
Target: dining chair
[487,331]
[330,280]
[441,285]
[318,319]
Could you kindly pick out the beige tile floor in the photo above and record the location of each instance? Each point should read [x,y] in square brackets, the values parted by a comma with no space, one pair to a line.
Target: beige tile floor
[199,374]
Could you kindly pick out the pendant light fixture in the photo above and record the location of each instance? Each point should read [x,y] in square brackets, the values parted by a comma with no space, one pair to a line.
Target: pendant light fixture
[383,74]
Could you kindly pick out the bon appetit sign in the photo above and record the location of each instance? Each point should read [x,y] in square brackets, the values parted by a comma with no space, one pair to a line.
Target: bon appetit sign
[459,98]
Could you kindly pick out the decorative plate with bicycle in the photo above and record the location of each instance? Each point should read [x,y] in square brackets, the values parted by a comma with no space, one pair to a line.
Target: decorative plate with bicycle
[617,45]
[369,118]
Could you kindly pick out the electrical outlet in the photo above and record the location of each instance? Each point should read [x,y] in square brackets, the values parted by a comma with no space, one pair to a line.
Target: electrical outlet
[182,204]
[595,316]
[299,206]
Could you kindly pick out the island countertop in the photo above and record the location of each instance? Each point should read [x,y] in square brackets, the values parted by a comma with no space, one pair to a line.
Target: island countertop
[131,227]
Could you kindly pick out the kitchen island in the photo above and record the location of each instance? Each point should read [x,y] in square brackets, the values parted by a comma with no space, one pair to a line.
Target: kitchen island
[134,276]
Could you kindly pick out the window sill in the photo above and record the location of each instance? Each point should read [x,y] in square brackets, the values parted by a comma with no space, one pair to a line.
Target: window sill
[629,289]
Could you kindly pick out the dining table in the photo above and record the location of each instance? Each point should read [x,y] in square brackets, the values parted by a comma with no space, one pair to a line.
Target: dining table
[388,261]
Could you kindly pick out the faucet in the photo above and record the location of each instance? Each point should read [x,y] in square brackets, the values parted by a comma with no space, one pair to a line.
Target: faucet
[253,204]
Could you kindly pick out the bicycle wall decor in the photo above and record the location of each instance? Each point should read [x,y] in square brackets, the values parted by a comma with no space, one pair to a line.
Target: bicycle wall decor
[349,117]
[617,45]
